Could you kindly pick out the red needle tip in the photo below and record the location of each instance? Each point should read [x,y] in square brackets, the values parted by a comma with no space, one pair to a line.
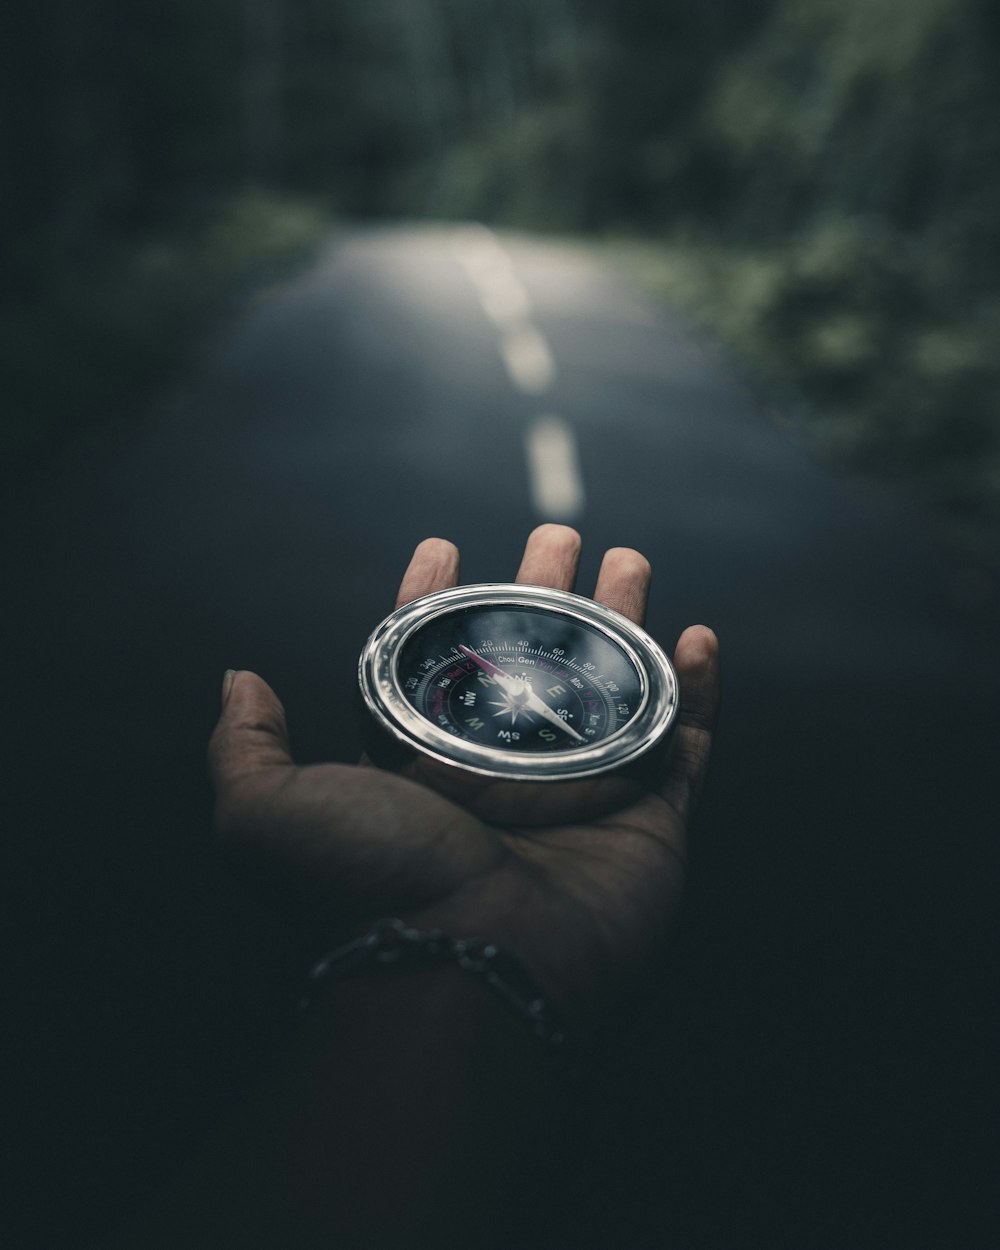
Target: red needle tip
[485,665]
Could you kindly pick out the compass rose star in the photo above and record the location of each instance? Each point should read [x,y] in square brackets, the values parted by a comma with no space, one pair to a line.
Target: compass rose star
[509,704]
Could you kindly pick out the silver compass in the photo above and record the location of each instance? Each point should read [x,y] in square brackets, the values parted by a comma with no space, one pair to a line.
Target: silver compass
[518,682]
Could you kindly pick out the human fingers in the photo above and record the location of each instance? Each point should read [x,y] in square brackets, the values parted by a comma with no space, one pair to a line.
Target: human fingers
[551,557]
[251,737]
[696,660]
[433,566]
[623,582]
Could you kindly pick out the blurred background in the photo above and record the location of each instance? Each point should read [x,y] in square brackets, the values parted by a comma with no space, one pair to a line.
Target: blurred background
[287,285]
[816,181]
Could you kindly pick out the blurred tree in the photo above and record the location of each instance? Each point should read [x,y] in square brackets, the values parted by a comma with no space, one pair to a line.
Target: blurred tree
[881,108]
[650,67]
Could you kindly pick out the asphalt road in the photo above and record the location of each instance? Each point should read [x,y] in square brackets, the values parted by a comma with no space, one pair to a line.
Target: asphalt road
[831,1079]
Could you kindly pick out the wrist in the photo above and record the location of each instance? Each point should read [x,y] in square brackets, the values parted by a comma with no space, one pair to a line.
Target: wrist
[391,947]
[558,942]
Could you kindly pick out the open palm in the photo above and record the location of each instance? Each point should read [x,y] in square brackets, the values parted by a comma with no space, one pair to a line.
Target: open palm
[581,881]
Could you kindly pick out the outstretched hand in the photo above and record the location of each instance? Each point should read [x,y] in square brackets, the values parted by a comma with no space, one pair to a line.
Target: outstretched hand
[580,897]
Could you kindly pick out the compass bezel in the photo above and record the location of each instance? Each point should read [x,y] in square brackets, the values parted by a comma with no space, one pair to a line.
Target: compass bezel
[385,700]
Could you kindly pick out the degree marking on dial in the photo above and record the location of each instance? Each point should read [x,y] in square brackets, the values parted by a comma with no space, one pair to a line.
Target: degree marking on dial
[486,665]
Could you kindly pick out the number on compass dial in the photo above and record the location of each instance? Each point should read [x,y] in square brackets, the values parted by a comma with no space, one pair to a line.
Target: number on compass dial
[519,679]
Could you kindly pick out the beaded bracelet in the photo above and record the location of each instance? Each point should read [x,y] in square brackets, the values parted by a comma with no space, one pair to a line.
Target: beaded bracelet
[393,944]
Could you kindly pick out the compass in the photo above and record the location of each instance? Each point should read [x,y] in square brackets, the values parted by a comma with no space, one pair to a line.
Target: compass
[518,682]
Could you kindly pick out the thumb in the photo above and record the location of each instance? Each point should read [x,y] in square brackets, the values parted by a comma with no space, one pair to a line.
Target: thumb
[251,736]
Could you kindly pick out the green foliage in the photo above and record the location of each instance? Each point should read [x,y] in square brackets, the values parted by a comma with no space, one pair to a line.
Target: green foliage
[842,334]
[874,107]
[853,259]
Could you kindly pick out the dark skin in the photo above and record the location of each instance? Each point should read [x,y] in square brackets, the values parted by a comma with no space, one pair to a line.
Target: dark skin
[383,843]
[582,882]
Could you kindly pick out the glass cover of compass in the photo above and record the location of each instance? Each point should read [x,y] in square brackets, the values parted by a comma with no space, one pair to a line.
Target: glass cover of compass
[520,682]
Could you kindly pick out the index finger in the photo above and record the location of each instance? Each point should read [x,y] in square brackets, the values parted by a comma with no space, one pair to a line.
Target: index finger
[433,566]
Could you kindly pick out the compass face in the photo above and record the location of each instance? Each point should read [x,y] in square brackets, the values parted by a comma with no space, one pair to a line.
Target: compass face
[518,682]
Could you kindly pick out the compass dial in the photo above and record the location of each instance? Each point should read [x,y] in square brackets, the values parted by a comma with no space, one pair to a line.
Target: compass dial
[518,682]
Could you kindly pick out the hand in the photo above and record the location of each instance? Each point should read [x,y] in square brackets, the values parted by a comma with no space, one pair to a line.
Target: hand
[583,899]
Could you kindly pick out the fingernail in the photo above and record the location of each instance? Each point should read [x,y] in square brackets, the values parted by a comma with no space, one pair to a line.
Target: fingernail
[227,683]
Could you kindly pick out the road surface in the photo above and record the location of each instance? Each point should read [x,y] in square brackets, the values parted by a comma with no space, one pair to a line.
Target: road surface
[452,381]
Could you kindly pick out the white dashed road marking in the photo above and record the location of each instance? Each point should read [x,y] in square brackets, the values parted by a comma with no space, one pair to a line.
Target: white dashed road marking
[504,299]
[528,360]
[554,469]
[553,464]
